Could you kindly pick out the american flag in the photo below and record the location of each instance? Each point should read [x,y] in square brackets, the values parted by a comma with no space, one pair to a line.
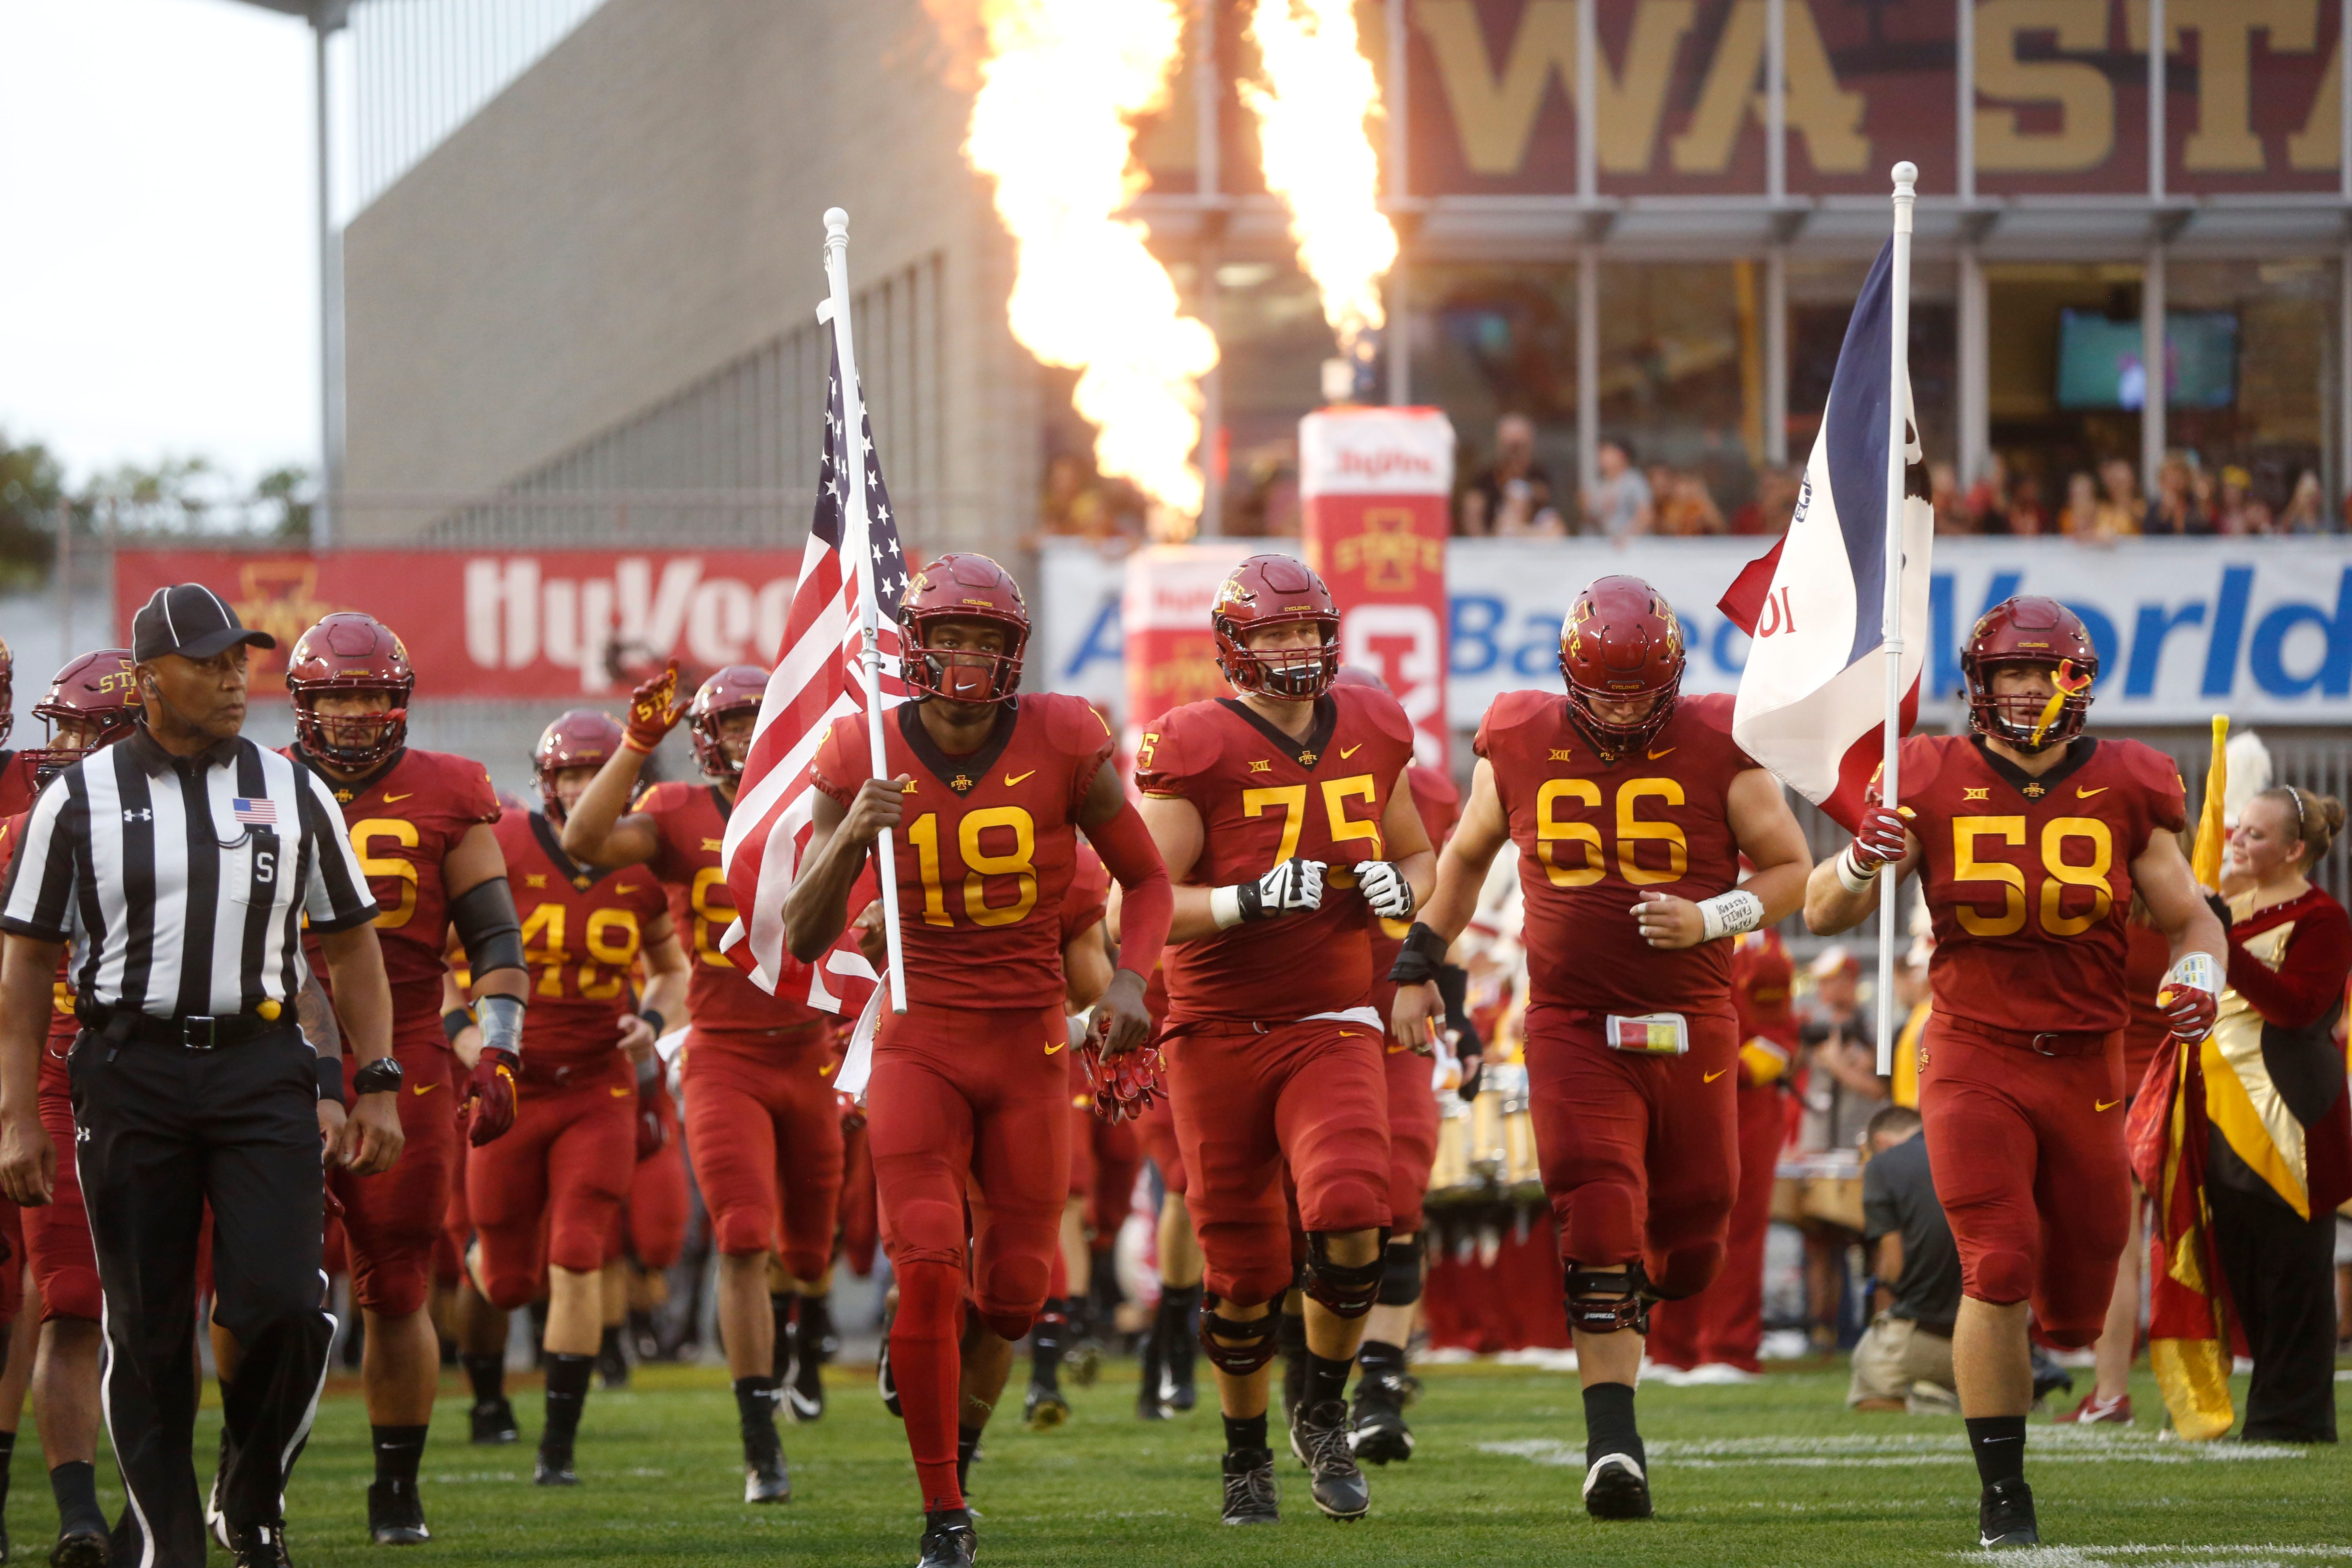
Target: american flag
[818,679]
[260,813]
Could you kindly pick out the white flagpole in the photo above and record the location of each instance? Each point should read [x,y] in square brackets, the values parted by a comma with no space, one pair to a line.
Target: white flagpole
[1890,614]
[852,413]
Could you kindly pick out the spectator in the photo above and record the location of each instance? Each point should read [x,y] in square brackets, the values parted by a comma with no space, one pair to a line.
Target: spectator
[1986,503]
[2025,515]
[1619,504]
[1904,1363]
[2307,508]
[2175,509]
[1944,496]
[1514,494]
[1843,1088]
[2121,509]
[1774,503]
[1685,507]
[2080,521]
[2233,511]
[2290,955]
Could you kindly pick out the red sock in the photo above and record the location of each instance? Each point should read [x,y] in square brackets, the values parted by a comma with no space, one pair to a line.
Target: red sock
[926,1361]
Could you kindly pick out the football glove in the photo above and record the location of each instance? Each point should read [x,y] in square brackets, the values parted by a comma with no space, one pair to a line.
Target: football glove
[1295,887]
[1384,887]
[1879,839]
[1126,1086]
[654,711]
[2191,996]
[491,1092]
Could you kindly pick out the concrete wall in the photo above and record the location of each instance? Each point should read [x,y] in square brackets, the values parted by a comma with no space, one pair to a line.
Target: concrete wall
[645,204]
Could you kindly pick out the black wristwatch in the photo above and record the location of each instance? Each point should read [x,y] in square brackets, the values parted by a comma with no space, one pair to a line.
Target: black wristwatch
[381,1076]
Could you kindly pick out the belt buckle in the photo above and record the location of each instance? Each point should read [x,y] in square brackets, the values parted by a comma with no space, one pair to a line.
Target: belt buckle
[196,1033]
[2038,1046]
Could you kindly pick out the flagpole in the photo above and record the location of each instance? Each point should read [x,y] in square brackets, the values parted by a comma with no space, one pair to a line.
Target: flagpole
[1890,614]
[853,414]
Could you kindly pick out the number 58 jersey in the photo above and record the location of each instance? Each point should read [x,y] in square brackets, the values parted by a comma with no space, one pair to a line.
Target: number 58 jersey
[2029,879]
[987,847]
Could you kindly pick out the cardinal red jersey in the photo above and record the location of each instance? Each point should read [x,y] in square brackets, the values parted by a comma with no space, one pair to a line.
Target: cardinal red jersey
[691,820]
[63,1025]
[987,847]
[1594,836]
[18,786]
[581,934]
[403,822]
[1088,898]
[1265,798]
[1762,978]
[2029,880]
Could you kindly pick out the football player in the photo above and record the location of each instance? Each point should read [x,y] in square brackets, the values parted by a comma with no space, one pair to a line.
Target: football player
[1285,816]
[762,1126]
[986,795]
[1164,1384]
[1631,807]
[17,784]
[2029,838]
[544,1196]
[420,823]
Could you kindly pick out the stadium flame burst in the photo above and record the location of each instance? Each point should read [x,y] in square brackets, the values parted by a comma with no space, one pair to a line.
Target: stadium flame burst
[1061,84]
[1312,109]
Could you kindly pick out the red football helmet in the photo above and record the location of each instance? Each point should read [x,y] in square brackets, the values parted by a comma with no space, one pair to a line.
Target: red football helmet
[1360,675]
[350,652]
[1621,643]
[960,586]
[2031,630]
[734,689]
[583,738]
[1272,591]
[98,695]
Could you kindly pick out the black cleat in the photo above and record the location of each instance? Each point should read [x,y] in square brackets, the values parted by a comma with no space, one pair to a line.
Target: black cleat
[215,1520]
[805,1393]
[884,1383]
[948,1540]
[1318,1435]
[765,1477]
[396,1514]
[2005,1515]
[611,1361]
[1044,1408]
[554,1467]
[494,1422]
[1380,1434]
[259,1546]
[1182,1396]
[83,1548]
[1250,1496]
[1616,1488]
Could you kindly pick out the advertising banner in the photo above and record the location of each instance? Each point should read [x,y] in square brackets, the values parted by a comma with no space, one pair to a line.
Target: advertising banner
[1171,656]
[2260,629]
[1375,485]
[500,624]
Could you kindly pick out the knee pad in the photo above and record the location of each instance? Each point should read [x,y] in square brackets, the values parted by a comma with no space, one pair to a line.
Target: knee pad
[1252,1341]
[1687,1271]
[1400,1273]
[1609,1303]
[577,1248]
[394,1289]
[71,1293]
[1346,1290]
[2004,1277]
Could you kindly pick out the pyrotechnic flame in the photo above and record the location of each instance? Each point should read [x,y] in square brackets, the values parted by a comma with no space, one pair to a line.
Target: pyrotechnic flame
[1060,88]
[1312,109]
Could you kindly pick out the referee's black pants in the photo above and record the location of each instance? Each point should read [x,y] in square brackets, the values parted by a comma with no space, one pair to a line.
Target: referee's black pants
[160,1130]
[2280,1268]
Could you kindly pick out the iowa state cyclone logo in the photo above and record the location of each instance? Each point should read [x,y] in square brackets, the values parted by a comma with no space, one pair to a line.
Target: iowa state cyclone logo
[1389,553]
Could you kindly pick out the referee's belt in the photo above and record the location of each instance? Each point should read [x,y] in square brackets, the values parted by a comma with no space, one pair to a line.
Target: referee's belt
[196,1032]
[2048,1043]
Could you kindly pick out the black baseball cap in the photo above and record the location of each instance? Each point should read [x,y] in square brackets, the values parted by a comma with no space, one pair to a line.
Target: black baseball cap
[189,619]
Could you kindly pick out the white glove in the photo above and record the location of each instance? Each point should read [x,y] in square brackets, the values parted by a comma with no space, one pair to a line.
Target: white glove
[1295,887]
[1385,888]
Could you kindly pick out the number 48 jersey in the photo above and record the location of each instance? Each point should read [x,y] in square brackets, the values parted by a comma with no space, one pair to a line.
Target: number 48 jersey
[582,931]
[2029,879]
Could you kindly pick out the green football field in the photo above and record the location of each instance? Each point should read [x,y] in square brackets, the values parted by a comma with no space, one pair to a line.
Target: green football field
[1777,1473]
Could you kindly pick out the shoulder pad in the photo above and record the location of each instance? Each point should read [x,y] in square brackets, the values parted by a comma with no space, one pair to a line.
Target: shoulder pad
[1711,709]
[1383,710]
[1072,725]
[2156,773]
[1510,711]
[1430,784]
[1180,743]
[1923,759]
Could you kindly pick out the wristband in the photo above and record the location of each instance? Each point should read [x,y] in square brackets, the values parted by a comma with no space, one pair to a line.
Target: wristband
[456,1022]
[654,1019]
[1729,914]
[629,742]
[381,1076]
[1850,872]
[1225,907]
[331,1079]
[1421,958]
[2196,971]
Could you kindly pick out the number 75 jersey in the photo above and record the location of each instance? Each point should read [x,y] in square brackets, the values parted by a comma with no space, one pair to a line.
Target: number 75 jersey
[2029,879]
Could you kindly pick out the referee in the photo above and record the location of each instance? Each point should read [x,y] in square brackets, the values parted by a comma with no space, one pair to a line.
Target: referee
[179,863]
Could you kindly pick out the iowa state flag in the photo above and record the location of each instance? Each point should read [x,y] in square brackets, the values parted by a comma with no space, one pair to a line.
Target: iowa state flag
[1812,700]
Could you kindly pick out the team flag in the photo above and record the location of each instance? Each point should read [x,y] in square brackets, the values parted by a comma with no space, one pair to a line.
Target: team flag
[817,679]
[1812,700]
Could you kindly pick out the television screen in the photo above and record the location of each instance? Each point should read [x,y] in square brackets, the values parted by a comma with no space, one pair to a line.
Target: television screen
[2099,364]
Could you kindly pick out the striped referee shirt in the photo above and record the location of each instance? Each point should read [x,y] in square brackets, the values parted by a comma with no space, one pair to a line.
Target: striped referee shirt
[181,882]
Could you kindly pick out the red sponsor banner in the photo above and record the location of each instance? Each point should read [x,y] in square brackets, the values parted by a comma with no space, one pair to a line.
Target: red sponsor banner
[1375,484]
[501,623]
[1170,655]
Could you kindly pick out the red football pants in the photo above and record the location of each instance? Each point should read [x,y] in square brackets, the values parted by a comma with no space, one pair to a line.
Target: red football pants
[1155,1134]
[1724,1323]
[651,1225]
[1412,1136]
[2028,1153]
[1640,1154]
[964,1106]
[568,1160]
[764,1133]
[1312,1095]
[57,1234]
[392,1220]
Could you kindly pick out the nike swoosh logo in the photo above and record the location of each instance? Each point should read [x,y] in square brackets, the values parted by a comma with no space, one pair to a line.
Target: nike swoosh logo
[1394,1050]
[1012,779]
[2087,794]
[2109,1104]
[620,1093]
[1347,751]
[625,887]
[1710,1078]
[422,1087]
[1058,1044]
[1653,756]
[388,798]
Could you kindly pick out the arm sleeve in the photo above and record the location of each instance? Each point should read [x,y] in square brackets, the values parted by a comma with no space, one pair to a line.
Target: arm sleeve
[337,898]
[834,771]
[2310,976]
[39,902]
[1150,903]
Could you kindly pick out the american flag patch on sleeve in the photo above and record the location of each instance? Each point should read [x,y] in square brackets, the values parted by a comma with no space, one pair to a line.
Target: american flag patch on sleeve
[262,813]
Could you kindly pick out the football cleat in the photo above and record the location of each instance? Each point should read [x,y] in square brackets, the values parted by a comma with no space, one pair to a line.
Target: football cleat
[765,1477]
[215,1519]
[805,1393]
[81,1549]
[1084,1362]
[2049,1377]
[1379,1434]
[884,1383]
[2095,1411]
[259,1546]
[1318,1435]
[494,1422]
[1615,1488]
[949,1541]
[1250,1497]
[396,1514]
[554,1467]
[611,1361]
[2005,1515]
[1044,1408]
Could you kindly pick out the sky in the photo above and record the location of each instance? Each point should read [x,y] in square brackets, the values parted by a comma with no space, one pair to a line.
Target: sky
[159,284]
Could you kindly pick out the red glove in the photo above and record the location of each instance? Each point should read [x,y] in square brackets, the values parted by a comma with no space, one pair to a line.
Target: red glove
[1880,838]
[1123,1085]
[653,709]
[2190,1000]
[491,1092]
[652,1119]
